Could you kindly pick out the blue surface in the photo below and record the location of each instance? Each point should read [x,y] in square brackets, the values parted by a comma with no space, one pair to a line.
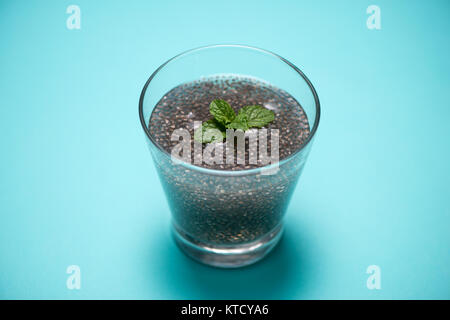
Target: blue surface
[78,186]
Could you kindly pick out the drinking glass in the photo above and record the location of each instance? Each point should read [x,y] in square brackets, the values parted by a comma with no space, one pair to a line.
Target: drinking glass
[228,218]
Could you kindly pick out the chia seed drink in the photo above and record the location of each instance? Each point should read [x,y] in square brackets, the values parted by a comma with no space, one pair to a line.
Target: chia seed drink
[227,214]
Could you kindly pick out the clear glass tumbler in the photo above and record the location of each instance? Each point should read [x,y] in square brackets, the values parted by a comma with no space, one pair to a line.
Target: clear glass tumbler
[228,229]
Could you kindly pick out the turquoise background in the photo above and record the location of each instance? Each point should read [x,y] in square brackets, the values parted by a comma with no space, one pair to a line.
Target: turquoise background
[78,185]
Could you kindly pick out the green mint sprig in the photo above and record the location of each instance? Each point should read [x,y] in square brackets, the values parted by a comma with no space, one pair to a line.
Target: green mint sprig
[214,130]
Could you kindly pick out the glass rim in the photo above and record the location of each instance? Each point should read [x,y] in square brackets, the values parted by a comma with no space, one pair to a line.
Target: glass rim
[231,172]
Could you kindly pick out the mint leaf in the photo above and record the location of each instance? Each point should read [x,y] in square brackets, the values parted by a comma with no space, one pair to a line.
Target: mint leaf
[257,116]
[240,122]
[222,111]
[210,131]
[248,117]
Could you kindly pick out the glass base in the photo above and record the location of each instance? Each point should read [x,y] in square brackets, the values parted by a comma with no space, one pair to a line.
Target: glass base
[227,256]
